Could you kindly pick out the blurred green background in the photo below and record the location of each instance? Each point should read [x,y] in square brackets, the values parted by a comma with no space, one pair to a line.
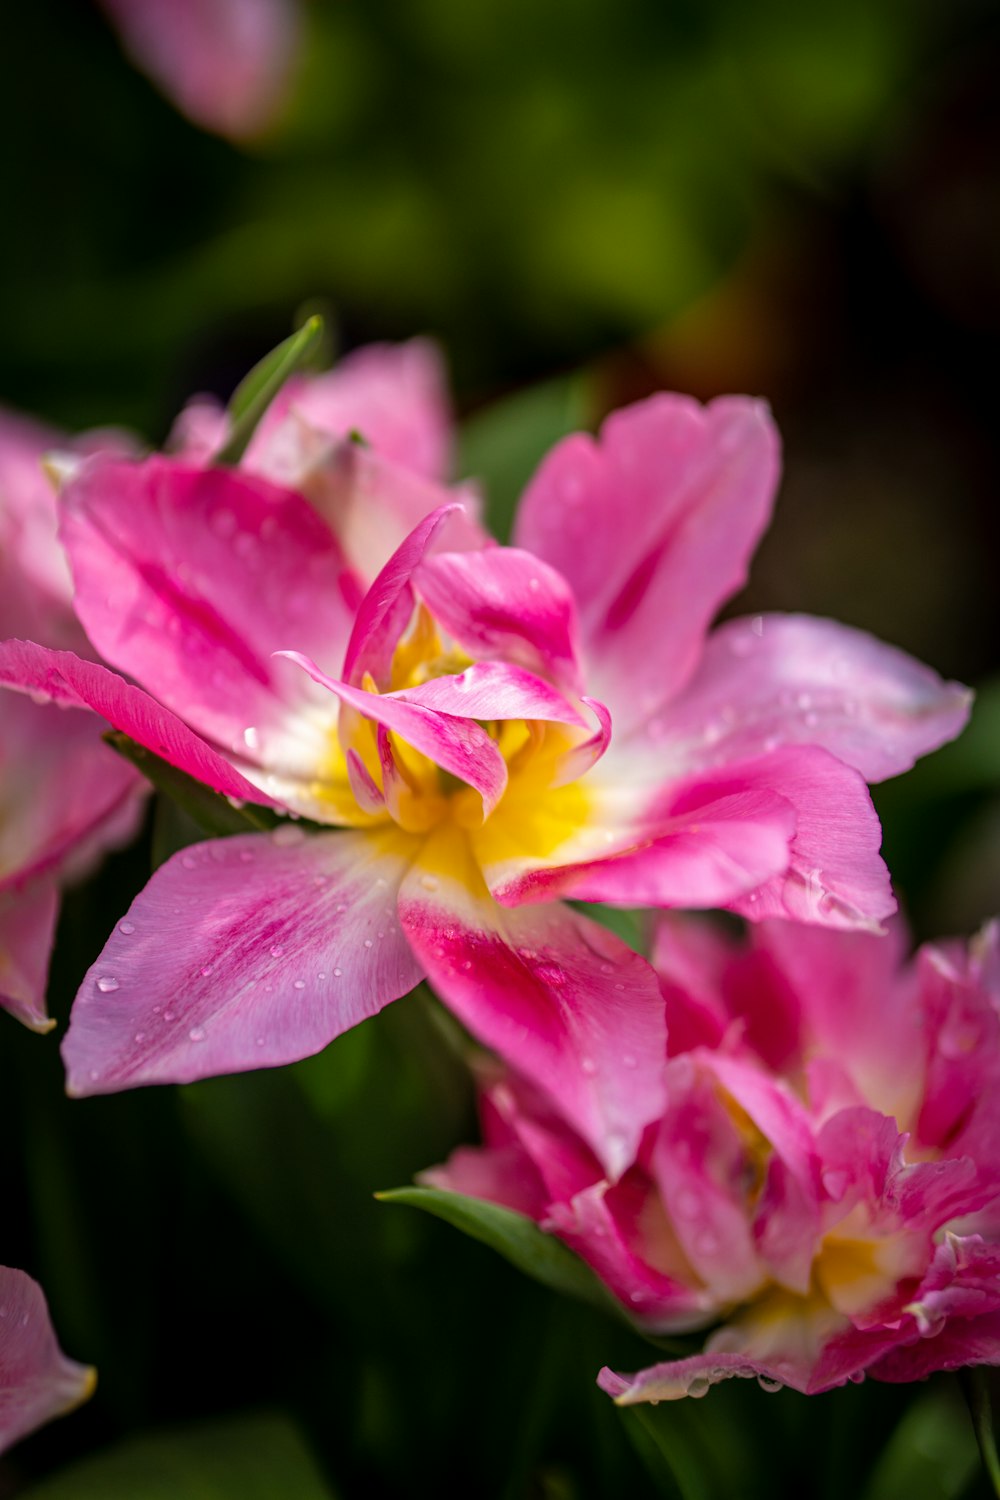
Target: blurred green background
[583,202]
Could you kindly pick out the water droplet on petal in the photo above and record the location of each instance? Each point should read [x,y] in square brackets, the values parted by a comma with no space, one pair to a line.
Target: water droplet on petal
[298,984]
[107,984]
[588,1066]
[429,882]
[768,1383]
[246,856]
[197,1034]
[337,973]
[277,950]
[188,861]
[206,970]
[140,1036]
[126,927]
[368,943]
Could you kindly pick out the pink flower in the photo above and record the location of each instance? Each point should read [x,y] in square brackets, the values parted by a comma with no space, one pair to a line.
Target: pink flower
[492,729]
[65,796]
[824,1181]
[37,1381]
[224,63]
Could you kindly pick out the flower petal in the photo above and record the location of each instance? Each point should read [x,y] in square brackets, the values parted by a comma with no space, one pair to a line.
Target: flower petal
[243,953]
[27,931]
[386,608]
[653,527]
[502,602]
[224,63]
[493,690]
[835,875]
[553,993]
[789,679]
[66,679]
[37,1381]
[191,579]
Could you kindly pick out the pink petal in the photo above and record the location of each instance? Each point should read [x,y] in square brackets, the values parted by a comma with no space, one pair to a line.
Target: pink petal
[386,608]
[692,1377]
[394,395]
[554,994]
[67,795]
[27,931]
[835,875]
[243,953]
[704,845]
[64,678]
[788,679]
[492,690]
[190,579]
[460,746]
[653,526]
[504,1175]
[37,1381]
[224,63]
[370,503]
[505,603]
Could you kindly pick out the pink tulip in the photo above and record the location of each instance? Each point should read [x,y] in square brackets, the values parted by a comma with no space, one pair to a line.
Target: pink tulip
[37,1381]
[65,797]
[491,729]
[824,1181]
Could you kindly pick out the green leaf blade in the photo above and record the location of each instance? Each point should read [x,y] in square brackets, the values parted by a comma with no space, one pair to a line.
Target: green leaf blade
[258,389]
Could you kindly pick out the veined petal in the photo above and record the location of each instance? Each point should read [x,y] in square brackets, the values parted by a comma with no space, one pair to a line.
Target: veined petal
[63,678]
[789,679]
[552,992]
[502,602]
[460,746]
[653,526]
[27,931]
[243,953]
[37,1381]
[191,579]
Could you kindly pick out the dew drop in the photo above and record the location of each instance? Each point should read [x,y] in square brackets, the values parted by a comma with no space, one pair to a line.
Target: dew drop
[429,882]
[206,970]
[699,1386]
[298,984]
[277,950]
[197,1034]
[140,1036]
[246,856]
[319,880]
[337,973]
[368,943]
[767,1383]
[94,1076]
[321,975]
[126,927]
[168,1015]
[260,1041]
[188,861]
[107,984]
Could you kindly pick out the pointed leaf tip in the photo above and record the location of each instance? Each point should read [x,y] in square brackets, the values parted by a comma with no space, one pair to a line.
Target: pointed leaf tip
[257,390]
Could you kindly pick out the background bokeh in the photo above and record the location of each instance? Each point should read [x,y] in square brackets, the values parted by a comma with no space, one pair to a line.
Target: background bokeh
[583,203]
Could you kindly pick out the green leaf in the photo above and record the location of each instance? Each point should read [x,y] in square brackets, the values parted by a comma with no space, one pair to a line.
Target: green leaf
[251,1457]
[930,1453]
[503,444]
[514,1236]
[975,1388]
[210,811]
[257,390]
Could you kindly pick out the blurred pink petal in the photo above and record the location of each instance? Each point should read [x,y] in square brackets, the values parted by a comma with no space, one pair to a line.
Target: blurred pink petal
[37,1381]
[226,64]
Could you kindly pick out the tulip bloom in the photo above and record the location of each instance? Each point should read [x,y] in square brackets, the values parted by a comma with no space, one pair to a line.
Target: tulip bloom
[825,1177]
[65,796]
[490,729]
[37,1381]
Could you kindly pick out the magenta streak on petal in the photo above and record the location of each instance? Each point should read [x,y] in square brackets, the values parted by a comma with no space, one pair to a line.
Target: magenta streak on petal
[364,788]
[460,746]
[241,953]
[64,678]
[388,604]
